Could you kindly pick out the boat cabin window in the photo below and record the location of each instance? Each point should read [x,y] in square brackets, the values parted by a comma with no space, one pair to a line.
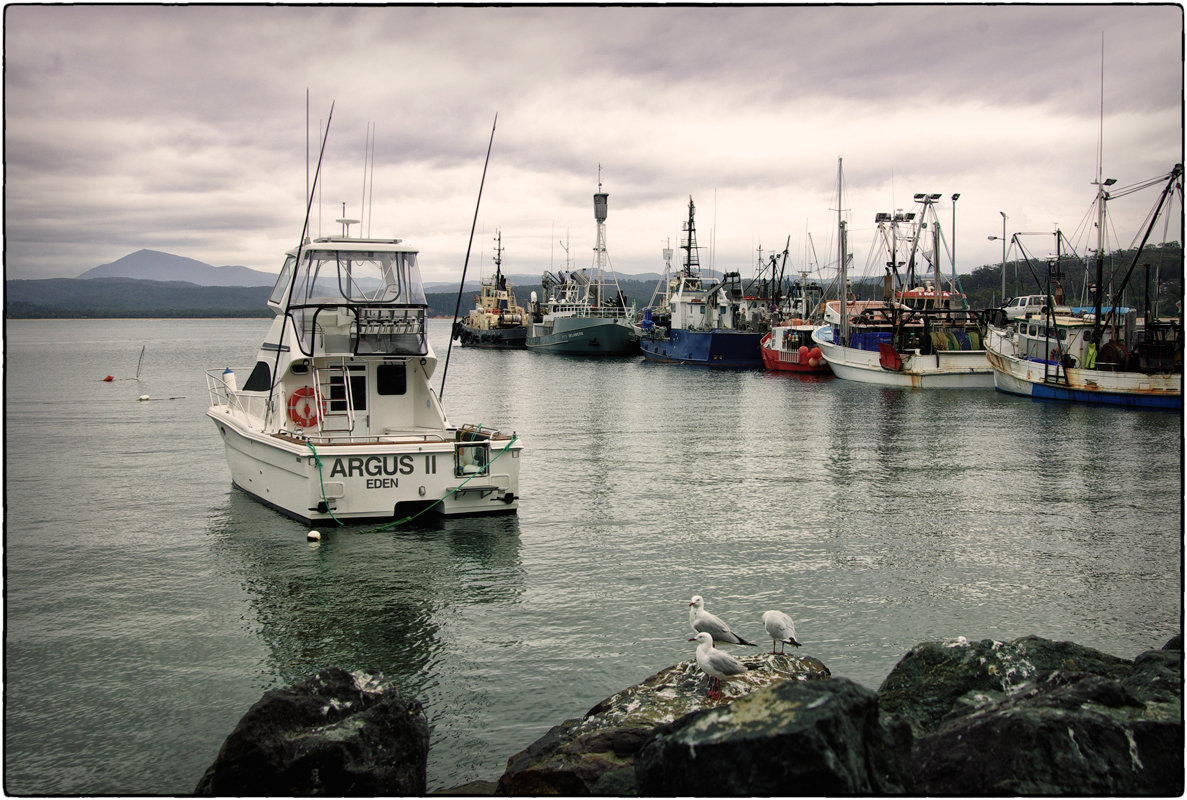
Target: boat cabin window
[391,379]
[259,379]
[1034,330]
[370,277]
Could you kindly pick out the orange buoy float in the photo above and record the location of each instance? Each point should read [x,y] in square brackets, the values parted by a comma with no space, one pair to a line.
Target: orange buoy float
[305,408]
[817,354]
[109,379]
[803,353]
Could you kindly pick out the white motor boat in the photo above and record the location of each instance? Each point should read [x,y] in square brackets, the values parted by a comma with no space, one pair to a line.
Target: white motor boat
[336,420]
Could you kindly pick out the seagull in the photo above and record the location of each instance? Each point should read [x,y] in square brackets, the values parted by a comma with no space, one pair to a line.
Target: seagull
[716,663]
[780,628]
[704,622]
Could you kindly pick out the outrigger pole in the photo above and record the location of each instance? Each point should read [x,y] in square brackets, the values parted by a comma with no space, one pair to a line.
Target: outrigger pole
[297,263]
[1176,175]
[462,283]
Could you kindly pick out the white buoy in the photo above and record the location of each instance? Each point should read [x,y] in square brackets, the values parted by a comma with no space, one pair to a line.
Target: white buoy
[143,397]
[314,536]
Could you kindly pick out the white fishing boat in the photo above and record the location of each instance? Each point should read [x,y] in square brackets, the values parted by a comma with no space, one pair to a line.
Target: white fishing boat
[1100,356]
[336,420]
[916,336]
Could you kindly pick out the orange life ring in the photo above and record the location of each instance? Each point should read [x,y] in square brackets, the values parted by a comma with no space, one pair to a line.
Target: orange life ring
[305,412]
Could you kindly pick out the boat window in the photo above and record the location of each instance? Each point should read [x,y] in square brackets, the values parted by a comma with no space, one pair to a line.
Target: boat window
[259,379]
[391,379]
[282,281]
[1063,333]
[1034,330]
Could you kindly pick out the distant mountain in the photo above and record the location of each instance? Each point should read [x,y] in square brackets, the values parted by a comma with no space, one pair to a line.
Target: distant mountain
[153,265]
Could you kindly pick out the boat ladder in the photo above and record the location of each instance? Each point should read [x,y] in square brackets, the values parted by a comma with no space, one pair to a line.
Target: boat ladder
[336,384]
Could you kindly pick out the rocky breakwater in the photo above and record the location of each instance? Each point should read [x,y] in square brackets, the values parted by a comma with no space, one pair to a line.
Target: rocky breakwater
[1025,717]
[1030,716]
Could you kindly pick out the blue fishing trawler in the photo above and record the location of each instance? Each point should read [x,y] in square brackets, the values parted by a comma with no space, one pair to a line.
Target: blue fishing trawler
[707,324]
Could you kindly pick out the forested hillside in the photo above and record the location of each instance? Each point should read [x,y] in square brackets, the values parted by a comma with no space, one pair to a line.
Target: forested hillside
[130,297]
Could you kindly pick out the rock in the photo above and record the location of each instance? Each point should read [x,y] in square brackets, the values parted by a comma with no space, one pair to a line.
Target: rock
[1066,733]
[796,738]
[337,733]
[1157,677]
[473,788]
[595,754]
[938,679]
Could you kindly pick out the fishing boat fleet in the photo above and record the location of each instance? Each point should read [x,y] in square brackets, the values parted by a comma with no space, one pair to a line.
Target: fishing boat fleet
[918,331]
[337,419]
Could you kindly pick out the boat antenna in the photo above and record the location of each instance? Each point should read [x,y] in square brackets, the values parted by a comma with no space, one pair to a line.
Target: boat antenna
[458,306]
[297,262]
[306,140]
[371,181]
[368,181]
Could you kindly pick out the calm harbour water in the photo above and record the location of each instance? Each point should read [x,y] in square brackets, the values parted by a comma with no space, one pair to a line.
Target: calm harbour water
[149,604]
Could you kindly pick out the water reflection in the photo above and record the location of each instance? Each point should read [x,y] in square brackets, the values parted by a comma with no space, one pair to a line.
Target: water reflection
[364,598]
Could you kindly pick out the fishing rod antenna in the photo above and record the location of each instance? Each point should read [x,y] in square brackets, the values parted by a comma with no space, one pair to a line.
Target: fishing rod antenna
[465,265]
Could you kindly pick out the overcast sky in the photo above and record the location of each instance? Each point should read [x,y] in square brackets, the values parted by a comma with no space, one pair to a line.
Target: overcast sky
[183,128]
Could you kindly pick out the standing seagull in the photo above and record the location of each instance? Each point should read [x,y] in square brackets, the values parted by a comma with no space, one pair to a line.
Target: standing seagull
[716,664]
[780,628]
[704,622]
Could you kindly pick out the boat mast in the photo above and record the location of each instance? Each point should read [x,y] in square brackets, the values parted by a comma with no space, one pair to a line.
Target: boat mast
[841,260]
[498,260]
[689,243]
[600,249]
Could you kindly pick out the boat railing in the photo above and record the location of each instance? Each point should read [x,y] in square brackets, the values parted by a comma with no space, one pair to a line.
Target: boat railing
[331,438]
[585,309]
[224,391]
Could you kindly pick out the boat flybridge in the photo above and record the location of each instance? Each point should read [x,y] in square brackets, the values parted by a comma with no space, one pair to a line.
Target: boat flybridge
[337,420]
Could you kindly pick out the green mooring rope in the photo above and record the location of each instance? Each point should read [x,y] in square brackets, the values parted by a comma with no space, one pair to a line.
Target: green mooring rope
[321,479]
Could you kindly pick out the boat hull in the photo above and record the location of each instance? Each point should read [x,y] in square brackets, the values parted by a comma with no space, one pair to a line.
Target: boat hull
[583,336]
[948,369]
[364,482]
[515,338]
[720,349]
[1036,379]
